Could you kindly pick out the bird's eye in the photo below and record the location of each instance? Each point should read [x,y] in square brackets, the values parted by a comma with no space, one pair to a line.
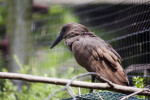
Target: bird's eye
[64,29]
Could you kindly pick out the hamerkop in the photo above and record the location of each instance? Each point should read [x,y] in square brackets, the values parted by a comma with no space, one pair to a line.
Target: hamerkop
[93,53]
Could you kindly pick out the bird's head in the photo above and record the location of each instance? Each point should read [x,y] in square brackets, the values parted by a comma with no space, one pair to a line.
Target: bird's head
[67,30]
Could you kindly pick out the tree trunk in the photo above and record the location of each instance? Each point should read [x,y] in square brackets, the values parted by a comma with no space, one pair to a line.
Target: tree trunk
[19,30]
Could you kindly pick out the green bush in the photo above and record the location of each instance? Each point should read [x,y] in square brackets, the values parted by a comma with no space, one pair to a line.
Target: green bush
[33,91]
[139,82]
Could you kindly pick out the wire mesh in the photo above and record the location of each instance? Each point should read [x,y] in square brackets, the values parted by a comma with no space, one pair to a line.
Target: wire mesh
[125,25]
[105,95]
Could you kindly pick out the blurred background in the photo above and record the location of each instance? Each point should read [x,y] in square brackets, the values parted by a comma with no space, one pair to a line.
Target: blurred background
[29,27]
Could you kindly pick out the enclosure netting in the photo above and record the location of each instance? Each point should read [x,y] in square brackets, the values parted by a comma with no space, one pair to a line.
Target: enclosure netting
[125,24]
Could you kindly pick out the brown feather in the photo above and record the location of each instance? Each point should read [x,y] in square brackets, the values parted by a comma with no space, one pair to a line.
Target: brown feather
[103,61]
[93,53]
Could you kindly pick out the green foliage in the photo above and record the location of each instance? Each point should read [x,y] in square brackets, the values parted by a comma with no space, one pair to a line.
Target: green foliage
[48,61]
[53,21]
[30,91]
[69,17]
[36,91]
[45,62]
[3,13]
[8,91]
[139,82]
[56,9]
[23,69]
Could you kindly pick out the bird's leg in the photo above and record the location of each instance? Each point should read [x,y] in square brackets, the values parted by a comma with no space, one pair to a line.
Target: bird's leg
[92,80]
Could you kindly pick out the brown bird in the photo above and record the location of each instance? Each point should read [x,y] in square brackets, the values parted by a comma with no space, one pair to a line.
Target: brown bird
[93,53]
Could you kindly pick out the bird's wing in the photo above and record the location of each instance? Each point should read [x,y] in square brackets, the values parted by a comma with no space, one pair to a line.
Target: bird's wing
[102,50]
[108,46]
[97,56]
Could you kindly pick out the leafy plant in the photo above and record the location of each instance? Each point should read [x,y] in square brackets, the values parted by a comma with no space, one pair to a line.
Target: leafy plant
[139,82]
[33,91]
[30,91]
[45,62]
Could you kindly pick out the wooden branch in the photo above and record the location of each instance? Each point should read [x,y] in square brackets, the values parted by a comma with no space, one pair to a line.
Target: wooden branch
[128,96]
[57,81]
[78,76]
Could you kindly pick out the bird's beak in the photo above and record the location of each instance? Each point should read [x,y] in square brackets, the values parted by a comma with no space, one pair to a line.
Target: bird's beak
[58,39]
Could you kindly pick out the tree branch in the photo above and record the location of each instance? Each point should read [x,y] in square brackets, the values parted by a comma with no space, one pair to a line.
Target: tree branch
[57,81]
[135,93]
